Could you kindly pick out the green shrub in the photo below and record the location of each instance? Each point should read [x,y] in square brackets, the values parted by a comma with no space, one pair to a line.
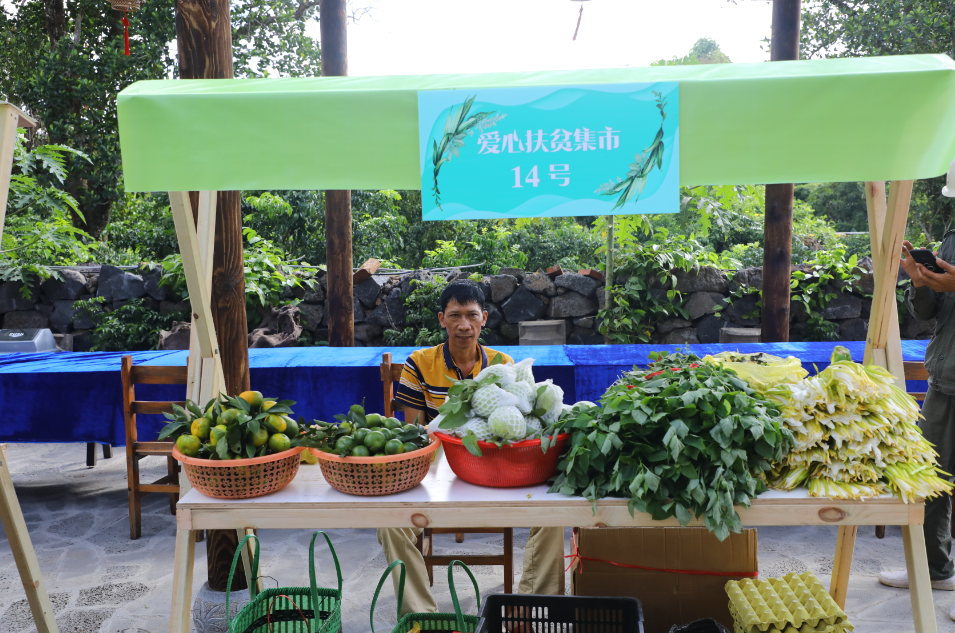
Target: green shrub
[422,305]
[128,328]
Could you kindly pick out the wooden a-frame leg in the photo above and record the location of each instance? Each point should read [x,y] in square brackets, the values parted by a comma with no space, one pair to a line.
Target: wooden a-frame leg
[23,553]
[135,500]
[173,496]
[920,585]
[842,564]
[509,560]
[182,582]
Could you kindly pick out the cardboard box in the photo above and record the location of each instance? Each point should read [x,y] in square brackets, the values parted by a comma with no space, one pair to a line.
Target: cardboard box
[667,598]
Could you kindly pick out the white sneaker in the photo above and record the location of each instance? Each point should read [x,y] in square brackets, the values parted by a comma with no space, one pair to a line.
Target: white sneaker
[901,579]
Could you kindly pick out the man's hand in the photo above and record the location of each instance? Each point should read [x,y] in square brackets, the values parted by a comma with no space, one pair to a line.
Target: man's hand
[939,282]
[911,267]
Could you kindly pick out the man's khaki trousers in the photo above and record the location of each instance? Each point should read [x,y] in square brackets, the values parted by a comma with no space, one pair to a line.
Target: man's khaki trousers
[543,565]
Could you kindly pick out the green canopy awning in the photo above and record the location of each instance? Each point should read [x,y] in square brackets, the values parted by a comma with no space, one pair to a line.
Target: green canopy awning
[880,118]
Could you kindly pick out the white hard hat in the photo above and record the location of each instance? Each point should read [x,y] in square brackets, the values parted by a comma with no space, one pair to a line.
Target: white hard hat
[949,188]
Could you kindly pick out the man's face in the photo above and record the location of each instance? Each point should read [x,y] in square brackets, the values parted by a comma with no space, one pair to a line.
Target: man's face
[463,322]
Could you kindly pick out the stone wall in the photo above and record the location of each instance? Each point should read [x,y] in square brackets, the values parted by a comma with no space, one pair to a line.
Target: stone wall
[51,304]
[712,298]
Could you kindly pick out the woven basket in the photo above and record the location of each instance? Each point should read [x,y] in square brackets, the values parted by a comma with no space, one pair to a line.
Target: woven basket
[374,476]
[311,609]
[241,478]
[456,621]
[125,5]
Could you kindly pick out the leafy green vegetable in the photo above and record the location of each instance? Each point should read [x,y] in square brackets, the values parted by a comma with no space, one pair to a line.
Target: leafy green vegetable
[682,439]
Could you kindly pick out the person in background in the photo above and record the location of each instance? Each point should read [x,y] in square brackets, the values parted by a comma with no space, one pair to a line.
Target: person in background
[427,375]
[932,296]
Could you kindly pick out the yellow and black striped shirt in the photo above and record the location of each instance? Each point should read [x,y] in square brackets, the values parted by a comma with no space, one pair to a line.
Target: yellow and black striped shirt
[428,374]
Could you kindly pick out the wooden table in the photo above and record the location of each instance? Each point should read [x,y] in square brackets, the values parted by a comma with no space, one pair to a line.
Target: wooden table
[443,500]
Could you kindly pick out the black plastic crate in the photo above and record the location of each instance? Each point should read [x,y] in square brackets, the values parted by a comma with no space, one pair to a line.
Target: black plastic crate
[527,613]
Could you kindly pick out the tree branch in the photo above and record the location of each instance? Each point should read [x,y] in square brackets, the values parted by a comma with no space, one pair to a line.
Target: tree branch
[78,28]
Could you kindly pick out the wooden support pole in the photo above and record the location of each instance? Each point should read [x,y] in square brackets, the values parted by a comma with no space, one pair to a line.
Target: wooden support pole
[11,118]
[842,564]
[778,224]
[338,238]
[204,42]
[886,229]
[23,553]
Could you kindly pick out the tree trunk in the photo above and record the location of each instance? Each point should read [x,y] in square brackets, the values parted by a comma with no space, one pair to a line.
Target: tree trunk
[338,238]
[778,226]
[204,38]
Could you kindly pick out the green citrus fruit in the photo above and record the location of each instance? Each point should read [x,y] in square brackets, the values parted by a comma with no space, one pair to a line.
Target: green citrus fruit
[254,398]
[277,422]
[200,428]
[408,427]
[291,427]
[388,433]
[410,447]
[357,408]
[260,437]
[346,426]
[360,435]
[279,442]
[229,416]
[392,423]
[375,441]
[374,419]
[344,444]
[394,447]
[360,451]
[217,433]
[188,445]
[268,404]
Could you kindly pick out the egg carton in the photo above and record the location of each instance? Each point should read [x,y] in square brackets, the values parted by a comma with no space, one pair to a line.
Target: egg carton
[793,601]
[805,628]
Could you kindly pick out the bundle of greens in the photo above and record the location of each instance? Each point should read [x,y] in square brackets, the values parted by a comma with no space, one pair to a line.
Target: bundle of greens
[856,435]
[683,438]
[501,405]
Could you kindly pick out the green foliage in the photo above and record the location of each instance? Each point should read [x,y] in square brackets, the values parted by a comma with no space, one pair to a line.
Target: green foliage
[867,28]
[815,290]
[555,241]
[142,224]
[63,62]
[488,245]
[682,439]
[128,328]
[422,307]
[635,310]
[704,51]
[266,276]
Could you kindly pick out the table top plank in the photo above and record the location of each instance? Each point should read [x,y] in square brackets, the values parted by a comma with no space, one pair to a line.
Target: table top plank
[444,500]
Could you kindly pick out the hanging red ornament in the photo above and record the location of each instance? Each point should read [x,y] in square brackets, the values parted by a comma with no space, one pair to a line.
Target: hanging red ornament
[125,6]
[126,32]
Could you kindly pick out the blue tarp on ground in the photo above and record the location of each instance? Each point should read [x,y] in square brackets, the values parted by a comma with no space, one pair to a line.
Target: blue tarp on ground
[76,397]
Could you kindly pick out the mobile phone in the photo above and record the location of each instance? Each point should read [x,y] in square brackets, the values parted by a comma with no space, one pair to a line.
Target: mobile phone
[927,258]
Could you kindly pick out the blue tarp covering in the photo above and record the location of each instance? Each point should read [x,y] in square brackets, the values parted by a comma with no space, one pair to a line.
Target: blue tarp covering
[76,397]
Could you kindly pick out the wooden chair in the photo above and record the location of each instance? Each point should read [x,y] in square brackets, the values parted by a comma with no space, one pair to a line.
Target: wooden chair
[913,370]
[390,374]
[136,450]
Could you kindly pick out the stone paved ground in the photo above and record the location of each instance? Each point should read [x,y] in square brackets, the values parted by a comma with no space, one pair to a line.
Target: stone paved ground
[102,582]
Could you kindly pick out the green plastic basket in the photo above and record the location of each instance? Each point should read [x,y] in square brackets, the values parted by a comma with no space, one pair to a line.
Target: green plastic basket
[310,609]
[456,621]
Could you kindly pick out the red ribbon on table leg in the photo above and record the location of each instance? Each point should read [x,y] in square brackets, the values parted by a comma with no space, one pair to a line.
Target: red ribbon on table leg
[577,558]
[126,32]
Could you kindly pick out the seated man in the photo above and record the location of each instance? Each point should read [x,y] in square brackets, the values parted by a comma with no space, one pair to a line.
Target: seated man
[424,386]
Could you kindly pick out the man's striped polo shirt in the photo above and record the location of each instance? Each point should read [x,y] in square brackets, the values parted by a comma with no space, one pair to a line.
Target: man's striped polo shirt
[428,374]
